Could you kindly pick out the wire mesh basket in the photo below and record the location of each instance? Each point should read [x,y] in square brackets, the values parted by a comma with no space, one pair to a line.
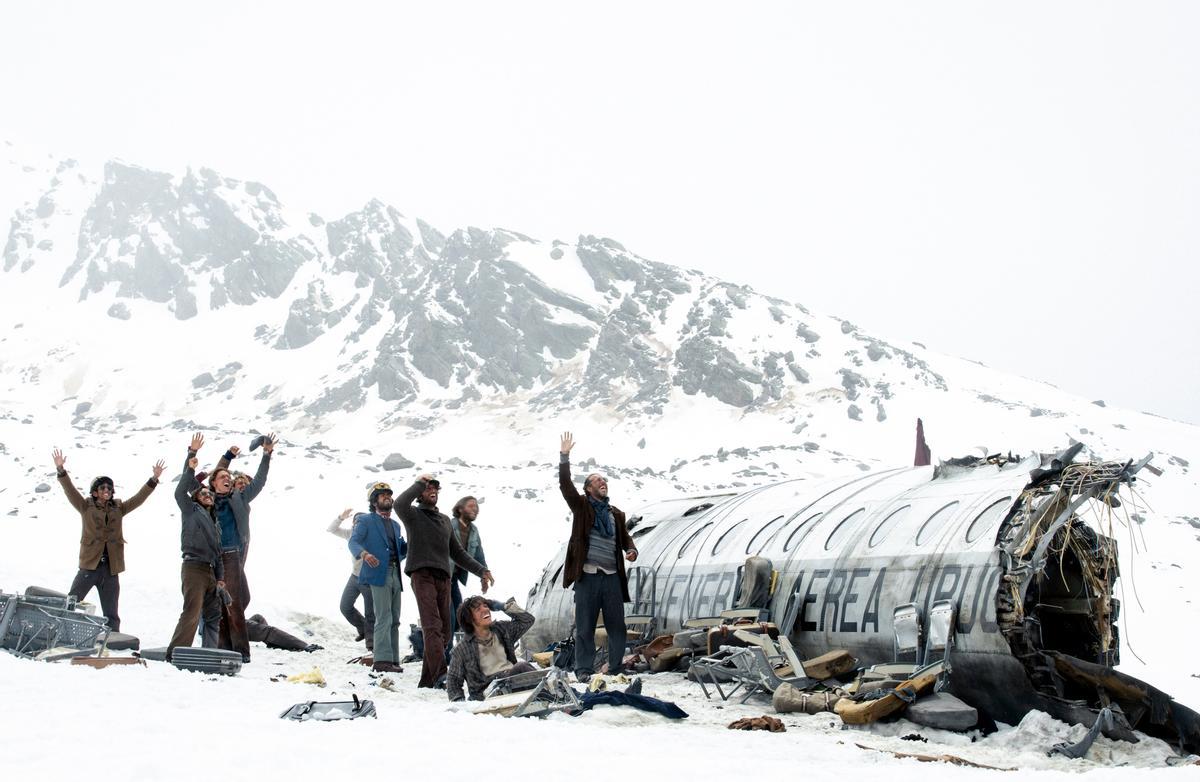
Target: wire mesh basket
[29,627]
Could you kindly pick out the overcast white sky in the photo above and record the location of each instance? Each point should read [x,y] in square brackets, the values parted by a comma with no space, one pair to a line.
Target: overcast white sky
[1017,183]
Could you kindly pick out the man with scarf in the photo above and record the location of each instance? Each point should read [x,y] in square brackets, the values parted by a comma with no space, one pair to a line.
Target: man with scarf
[596,554]
[431,547]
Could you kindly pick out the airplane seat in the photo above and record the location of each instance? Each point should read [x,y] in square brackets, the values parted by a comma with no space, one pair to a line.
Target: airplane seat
[906,631]
[757,581]
[943,617]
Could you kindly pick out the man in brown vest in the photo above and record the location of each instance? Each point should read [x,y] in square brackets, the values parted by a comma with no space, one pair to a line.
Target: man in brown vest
[102,543]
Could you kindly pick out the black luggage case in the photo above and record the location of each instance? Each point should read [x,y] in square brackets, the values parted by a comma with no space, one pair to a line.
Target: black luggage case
[191,658]
[199,659]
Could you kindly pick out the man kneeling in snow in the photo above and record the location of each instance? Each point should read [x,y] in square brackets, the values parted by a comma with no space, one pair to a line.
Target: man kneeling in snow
[487,653]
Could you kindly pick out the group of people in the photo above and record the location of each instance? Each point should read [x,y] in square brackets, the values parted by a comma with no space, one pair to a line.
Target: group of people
[214,542]
[438,552]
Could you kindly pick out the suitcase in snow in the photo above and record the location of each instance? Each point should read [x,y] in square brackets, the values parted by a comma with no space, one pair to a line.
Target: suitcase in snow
[201,660]
[195,658]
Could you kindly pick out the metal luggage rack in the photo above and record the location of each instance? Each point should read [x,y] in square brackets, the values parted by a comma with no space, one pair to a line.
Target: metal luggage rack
[32,626]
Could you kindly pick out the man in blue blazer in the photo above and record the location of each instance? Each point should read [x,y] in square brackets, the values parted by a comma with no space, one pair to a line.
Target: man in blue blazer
[378,540]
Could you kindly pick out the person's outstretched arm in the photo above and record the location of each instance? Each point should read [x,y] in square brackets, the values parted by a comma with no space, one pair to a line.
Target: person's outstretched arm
[77,500]
[565,484]
[187,481]
[260,476]
[129,505]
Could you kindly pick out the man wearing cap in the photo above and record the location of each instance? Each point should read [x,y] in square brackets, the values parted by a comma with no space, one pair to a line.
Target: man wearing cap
[431,547]
[596,554]
[102,542]
[377,539]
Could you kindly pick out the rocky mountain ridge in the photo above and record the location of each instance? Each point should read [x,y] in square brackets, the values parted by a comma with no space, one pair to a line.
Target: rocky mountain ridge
[422,316]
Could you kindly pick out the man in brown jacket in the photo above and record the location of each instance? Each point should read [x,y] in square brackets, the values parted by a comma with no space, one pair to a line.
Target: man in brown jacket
[596,554]
[102,543]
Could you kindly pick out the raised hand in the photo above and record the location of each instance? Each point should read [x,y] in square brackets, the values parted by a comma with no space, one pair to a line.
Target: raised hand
[567,443]
[345,514]
[234,450]
[425,477]
[269,443]
[197,442]
[59,459]
[158,468]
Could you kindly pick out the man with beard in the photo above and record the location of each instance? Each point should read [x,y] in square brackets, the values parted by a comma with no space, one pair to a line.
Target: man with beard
[232,511]
[595,564]
[102,542]
[464,513]
[431,547]
[377,540]
[200,541]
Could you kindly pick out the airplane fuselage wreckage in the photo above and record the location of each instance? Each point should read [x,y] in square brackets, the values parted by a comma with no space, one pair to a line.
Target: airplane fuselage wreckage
[1022,548]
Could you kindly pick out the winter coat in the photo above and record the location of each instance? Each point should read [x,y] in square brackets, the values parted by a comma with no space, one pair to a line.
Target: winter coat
[464,663]
[102,524]
[582,518]
[371,535]
[239,501]
[473,546]
[199,535]
[429,536]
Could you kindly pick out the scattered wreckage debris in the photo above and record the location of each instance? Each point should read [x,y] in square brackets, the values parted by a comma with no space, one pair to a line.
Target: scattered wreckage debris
[107,662]
[952,759]
[48,627]
[765,722]
[328,711]
[1000,568]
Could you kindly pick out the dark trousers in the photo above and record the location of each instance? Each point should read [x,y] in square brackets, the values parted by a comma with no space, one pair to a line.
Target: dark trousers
[431,588]
[456,600]
[107,584]
[232,633]
[364,623]
[597,593]
[258,630]
[199,587]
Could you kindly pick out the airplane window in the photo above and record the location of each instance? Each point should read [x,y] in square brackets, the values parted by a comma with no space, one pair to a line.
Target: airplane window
[763,535]
[724,537]
[935,523]
[990,516]
[888,524]
[693,536]
[796,535]
[840,531]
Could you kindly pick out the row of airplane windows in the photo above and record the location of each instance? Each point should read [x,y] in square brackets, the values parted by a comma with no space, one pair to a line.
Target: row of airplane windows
[988,518]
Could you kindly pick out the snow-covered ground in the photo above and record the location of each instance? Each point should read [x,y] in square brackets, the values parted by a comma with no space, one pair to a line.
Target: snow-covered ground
[158,723]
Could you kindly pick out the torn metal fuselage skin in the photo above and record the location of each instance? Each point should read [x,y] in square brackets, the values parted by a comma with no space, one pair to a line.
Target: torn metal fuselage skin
[1004,539]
